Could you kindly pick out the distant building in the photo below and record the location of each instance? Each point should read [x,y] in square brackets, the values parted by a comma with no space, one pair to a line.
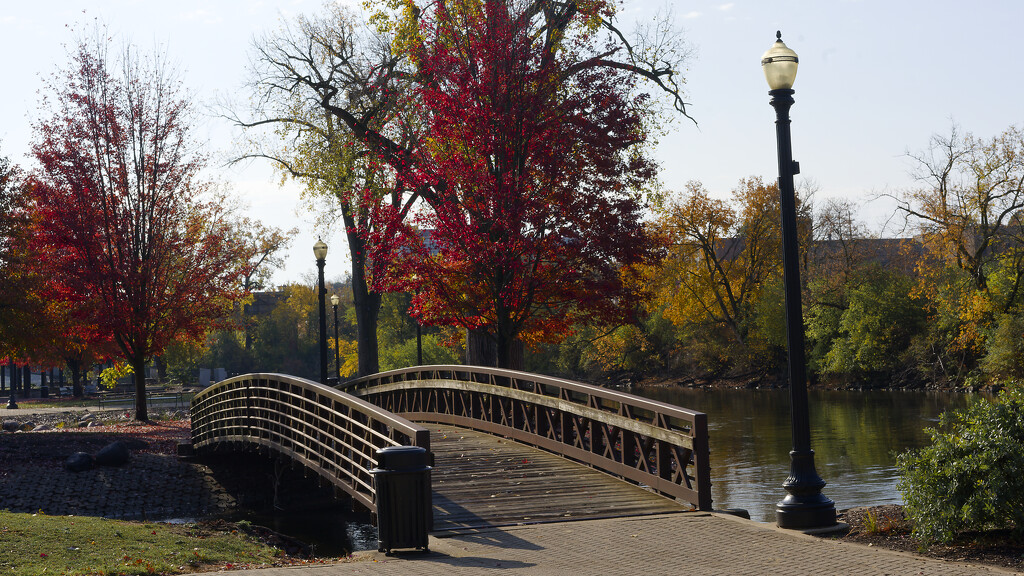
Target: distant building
[902,254]
[263,303]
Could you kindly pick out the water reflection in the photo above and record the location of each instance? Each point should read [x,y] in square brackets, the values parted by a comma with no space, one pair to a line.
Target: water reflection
[332,531]
[854,436]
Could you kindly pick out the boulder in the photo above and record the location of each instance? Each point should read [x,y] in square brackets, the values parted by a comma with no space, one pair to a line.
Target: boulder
[136,444]
[11,426]
[42,428]
[78,462]
[113,454]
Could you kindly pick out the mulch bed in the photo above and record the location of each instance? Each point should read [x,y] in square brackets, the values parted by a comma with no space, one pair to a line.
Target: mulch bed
[888,527]
[52,447]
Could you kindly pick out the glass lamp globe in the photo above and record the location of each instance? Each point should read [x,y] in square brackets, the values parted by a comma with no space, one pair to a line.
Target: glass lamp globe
[320,250]
[779,64]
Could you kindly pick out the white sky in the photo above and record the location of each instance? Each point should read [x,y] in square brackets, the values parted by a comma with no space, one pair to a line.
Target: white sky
[877,78]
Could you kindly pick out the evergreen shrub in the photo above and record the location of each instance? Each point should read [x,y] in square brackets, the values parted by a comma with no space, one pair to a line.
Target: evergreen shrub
[971,477]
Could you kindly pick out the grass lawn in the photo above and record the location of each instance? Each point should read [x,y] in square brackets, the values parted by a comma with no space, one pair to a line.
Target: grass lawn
[32,544]
[55,402]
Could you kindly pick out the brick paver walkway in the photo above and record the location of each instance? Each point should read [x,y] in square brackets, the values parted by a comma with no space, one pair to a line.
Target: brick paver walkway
[691,544]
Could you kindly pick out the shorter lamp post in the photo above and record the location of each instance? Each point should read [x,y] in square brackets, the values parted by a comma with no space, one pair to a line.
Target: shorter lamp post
[804,507]
[320,251]
[419,338]
[337,355]
[419,326]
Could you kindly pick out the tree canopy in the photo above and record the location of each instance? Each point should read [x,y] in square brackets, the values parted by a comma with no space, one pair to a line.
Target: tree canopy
[135,240]
[509,133]
[534,171]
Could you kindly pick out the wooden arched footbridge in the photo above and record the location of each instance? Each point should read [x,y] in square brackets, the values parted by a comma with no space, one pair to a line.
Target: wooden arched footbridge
[508,447]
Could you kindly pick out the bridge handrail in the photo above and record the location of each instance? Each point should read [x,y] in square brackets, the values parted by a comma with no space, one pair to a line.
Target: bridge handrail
[330,432]
[646,441]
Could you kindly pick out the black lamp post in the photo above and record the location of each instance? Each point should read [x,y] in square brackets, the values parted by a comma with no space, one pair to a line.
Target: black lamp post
[337,355]
[419,337]
[320,251]
[419,343]
[804,507]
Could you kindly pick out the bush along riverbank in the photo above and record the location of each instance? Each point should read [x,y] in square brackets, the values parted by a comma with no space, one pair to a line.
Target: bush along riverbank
[964,491]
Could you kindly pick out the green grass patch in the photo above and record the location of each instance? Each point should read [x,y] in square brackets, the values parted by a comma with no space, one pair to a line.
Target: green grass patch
[56,403]
[36,544]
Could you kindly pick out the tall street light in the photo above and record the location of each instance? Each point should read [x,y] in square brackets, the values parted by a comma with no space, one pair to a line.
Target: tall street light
[320,251]
[337,355]
[804,507]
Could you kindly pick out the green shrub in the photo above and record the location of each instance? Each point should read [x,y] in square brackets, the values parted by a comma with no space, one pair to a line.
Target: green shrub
[971,477]
[111,376]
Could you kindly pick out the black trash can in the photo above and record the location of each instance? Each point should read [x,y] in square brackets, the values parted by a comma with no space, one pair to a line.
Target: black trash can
[404,512]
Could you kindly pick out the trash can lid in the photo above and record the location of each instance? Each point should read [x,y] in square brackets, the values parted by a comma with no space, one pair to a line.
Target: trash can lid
[401,457]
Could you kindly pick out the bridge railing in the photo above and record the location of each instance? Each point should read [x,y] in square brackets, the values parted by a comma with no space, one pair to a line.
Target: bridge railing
[650,443]
[325,430]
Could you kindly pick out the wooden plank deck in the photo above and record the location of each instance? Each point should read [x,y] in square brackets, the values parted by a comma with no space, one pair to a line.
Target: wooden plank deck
[480,480]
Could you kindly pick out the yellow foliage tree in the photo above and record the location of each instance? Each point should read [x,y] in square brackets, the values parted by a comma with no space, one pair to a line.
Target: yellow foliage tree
[967,211]
[721,257]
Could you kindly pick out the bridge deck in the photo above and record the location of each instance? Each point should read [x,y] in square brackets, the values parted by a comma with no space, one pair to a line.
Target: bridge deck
[481,480]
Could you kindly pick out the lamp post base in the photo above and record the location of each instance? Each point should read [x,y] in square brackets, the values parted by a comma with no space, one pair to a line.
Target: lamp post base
[805,515]
[805,507]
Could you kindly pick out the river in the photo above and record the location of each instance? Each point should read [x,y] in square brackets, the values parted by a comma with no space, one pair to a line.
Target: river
[855,436]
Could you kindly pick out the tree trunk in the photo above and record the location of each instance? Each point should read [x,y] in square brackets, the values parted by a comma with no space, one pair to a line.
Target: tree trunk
[510,353]
[480,349]
[161,369]
[26,384]
[139,367]
[366,334]
[367,304]
[77,390]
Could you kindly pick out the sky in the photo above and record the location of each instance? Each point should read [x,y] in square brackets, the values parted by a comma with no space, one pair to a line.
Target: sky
[877,79]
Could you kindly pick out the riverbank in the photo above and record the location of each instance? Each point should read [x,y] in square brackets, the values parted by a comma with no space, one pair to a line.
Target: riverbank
[771,382]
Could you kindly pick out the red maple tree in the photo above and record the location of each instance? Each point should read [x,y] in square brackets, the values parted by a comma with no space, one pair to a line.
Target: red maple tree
[532,168]
[515,130]
[131,235]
